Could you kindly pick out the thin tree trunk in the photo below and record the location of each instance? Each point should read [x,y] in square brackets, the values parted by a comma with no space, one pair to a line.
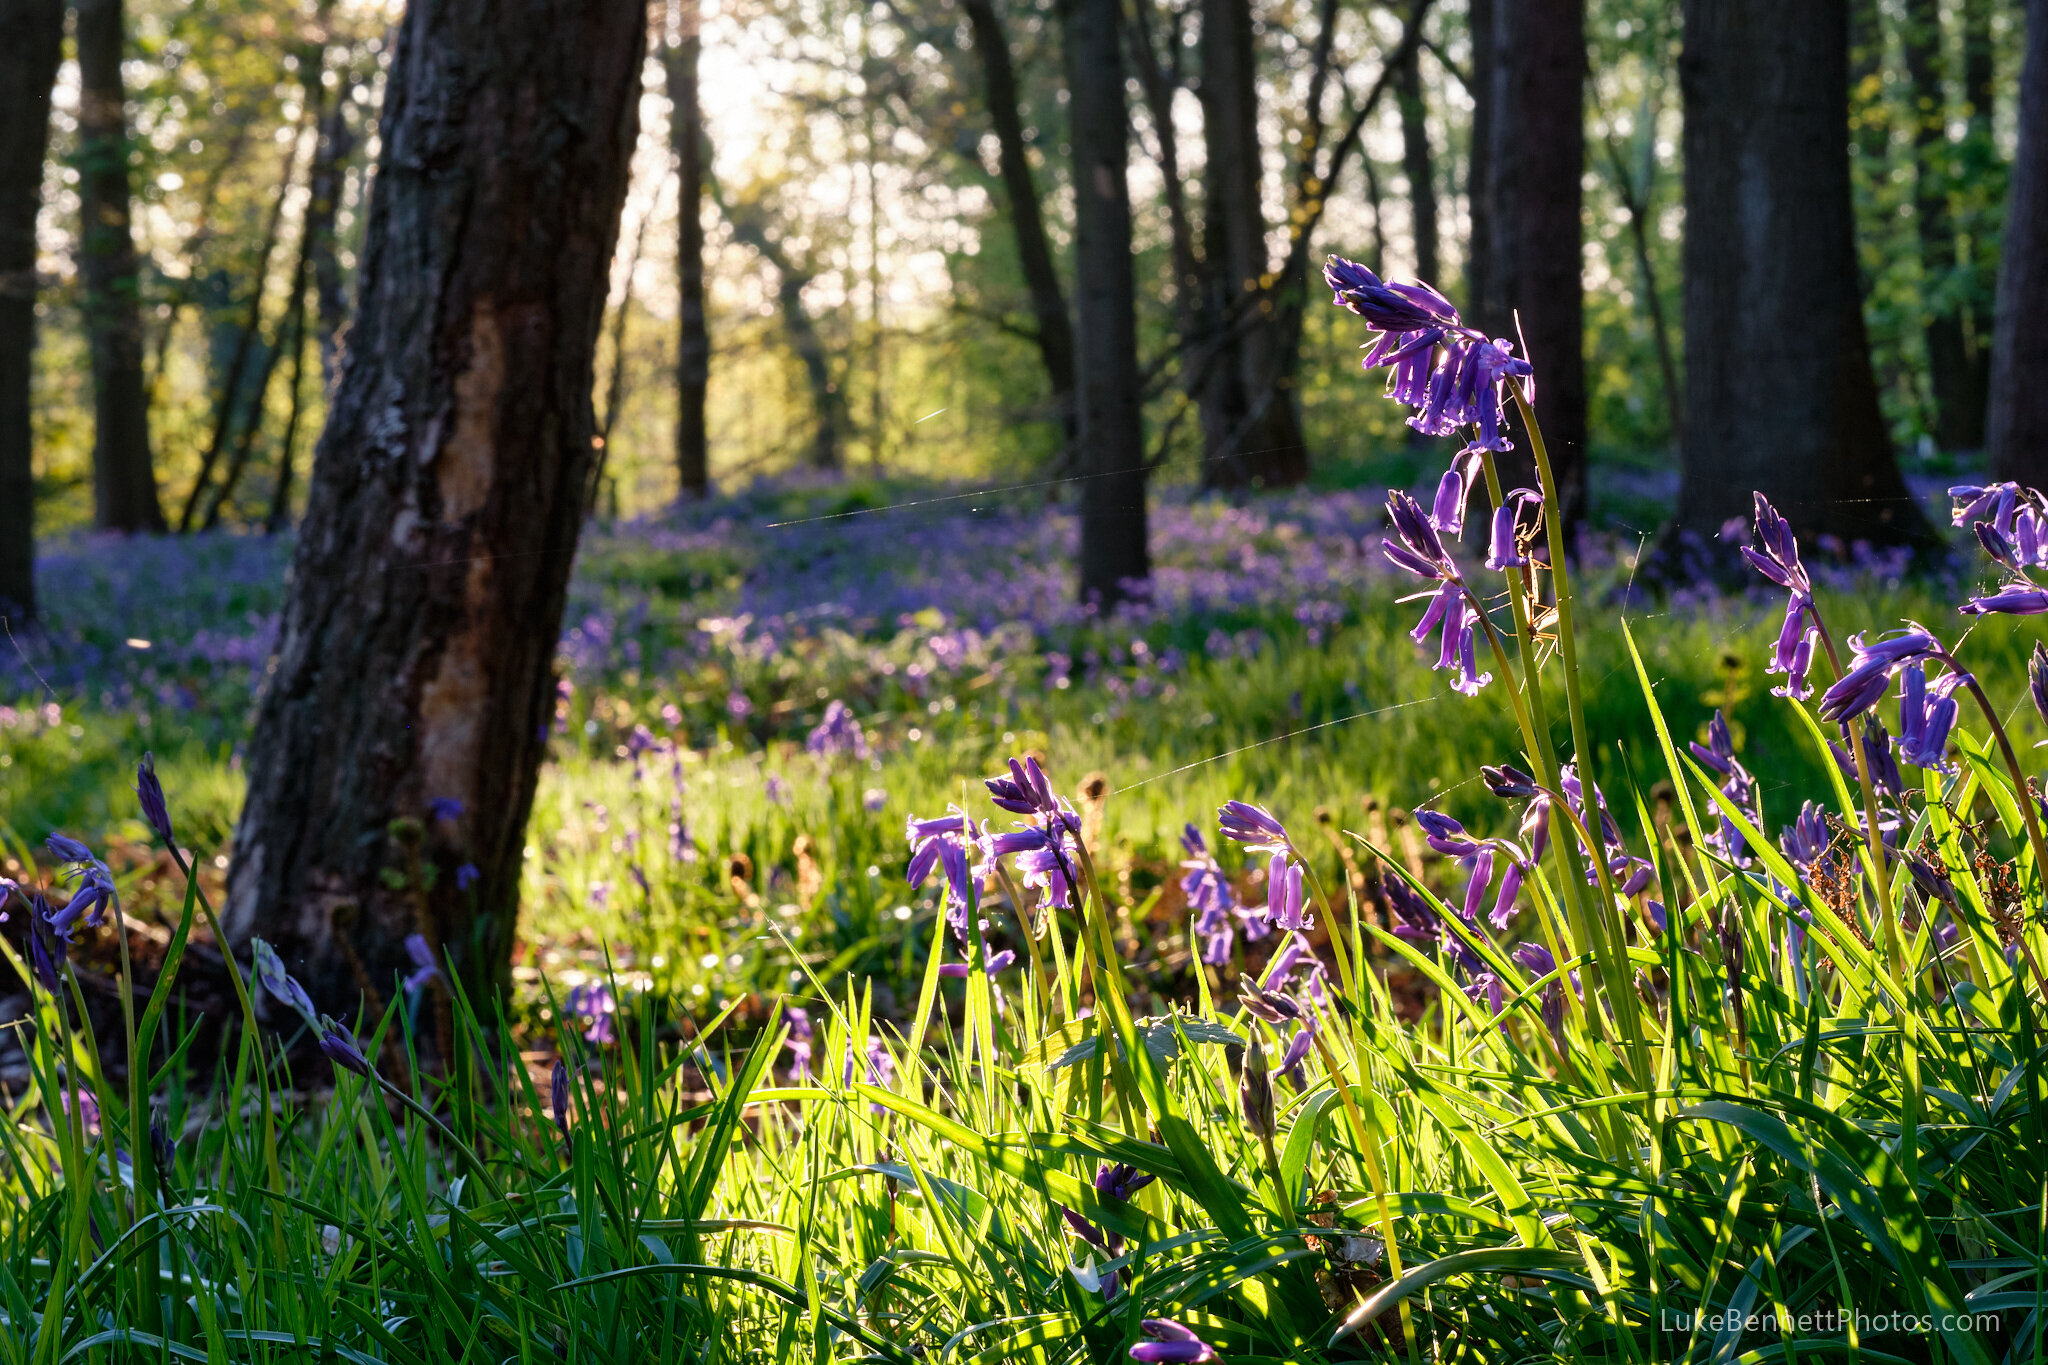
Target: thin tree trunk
[1055,328]
[1534,283]
[1636,198]
[828,402]
[1959,374]
[228,401]
[693,337]
[1779,395]
[31,42]
[1479,169]
[1256,399]
[1114,552]
[2019,344]
[1419,165]
[414,654]
[292,324]
[280,514]
[330,172]
[124,480]
[615,383]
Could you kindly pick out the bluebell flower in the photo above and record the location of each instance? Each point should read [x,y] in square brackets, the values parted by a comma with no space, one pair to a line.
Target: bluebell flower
[446,808]
[467,876]
[1453,491]
[2014,599]
[1476,885]
[424,968]
[838,733]
[1926,717]
[1807,837]
[558,1095]
[594,1002]
[1253,826]
[280,984]
[1503,912]
[1869,674]
[1271,1006]
[1718,754]
[1026,791]
[1171,1344]
[1444,834]
[150,793]
[1994,504]
[2037,678]
[48,949]
[1508,782]
[1284,899]
[342,1049]
[1504,546]
[1776,557]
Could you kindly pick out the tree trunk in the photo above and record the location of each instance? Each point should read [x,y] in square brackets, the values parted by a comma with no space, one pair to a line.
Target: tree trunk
[1779,395]
[1959,372]
[693,339]
[2019,345]
[124,482]
[1534,288]
[1419,165]
[1107,388]
[828,401]
[280,514]
[414,654]
[1256,406]
[31,41]
[1027,219]
[1479,170]
[330,170]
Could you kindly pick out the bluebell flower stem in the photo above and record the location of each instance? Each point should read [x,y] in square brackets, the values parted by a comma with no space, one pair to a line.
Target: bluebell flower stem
[1609,940]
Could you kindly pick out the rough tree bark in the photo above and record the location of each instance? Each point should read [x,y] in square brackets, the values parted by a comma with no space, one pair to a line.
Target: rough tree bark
[124,481]
[1535,162]
[1255,405]
[1107,389]
[1779,395]
[413,660]
[1958,363]
[1055,326]
[2019,344]
[31,41]
[693,340]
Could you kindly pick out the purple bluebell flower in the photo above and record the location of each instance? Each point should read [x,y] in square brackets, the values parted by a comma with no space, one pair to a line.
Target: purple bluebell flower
[1210,897]
[2022,598]
[446,808]
[776,790]
[1297,1051]
[1503,912]
[424,968]
[1270,1006]
[342,1049]
[594,1001]
[1926,716]
[1280,967]
[1253,826]
[881,1067]
[936,842]
[1632,876]
[1445,834]
[1415,547]
[1718,754]
[1535,828]
[68,849]
[738,705]
[873,799]
[1538,962]
[1509,782]
[2037,678]
[1171,1344]
[1776,557]
[1026,791]
[48,949]
[800,1030]
[280,984]
[1870,671]
[1994,503]
[1385,306]
[1120,1180]
[838,733]
[466,876]
[1503,547]
[150,793]
[1453,491]
[1284,895]
[1476,885]
[558,1096]
[1807,837]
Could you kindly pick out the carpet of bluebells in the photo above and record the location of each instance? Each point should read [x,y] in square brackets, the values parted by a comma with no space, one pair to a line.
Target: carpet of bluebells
[1383,940]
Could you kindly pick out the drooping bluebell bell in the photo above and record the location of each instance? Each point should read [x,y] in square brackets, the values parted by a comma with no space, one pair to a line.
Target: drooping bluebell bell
[150,792]
[1444,834]
[1776,557]
[1536,959]
[2037,678]
[1418,922]
[1926,716]
[1453,491]
[941,842]
[280,984]
[1504,547]
[1503,913]
[1477,884]
[1115,1183]
[593,1001]
[446,809]
[558,1095]
[1284,898]
[1993,503]
[1171,1344]
[94,891]
[1869,674]
[48,949]
[339,1043]
[1253,826]
[2022,598]
[1281,966]
[1210,897]
[1718,754]
[1509,782]
[1297,1050]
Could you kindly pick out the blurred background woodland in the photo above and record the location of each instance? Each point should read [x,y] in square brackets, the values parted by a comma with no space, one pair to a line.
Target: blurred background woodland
[878,203]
